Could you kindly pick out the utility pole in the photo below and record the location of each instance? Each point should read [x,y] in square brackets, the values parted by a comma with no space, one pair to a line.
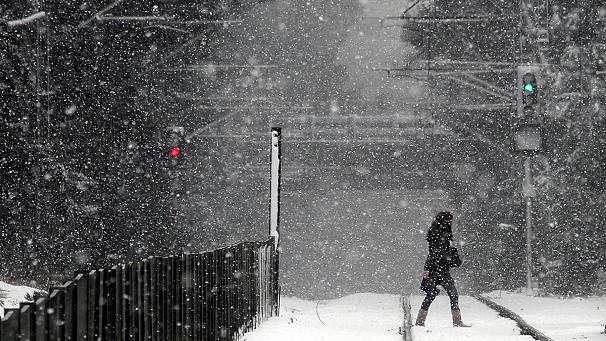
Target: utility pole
[41,123]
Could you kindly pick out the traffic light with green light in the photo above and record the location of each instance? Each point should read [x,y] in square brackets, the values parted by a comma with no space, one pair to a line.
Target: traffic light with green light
[526,123]
[530,84]
[529,88]
[528,95]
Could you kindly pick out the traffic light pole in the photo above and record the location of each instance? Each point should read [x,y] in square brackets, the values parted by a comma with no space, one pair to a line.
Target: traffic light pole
[534,43]
[528,195]
[528,118]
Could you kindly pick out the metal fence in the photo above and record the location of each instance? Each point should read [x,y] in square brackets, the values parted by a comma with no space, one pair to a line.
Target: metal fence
[217,295]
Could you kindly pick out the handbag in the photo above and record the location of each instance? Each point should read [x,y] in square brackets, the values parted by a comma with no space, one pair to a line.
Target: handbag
[454,261]
[429,285]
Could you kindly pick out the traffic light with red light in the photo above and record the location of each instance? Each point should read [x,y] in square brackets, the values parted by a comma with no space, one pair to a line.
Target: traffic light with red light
[174,152]
[172,143]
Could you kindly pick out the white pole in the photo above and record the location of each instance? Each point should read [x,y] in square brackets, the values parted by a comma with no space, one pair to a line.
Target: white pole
[274,210]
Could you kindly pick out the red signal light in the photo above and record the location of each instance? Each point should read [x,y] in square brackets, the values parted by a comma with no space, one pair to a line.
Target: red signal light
[174,152]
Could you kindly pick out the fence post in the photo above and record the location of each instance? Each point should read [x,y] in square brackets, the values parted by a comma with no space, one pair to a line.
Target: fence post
[154,275]
[141,301]
[41,319]
[55,315]
[10,325]
[250,284]
[214,292]
[222,290]
[102,304]
[237,287]
[27,322]
[188,299]
[146,299]
[133,305]
[275,282]
[198,300]
[93,305]
[170,301]
[257,288]
[183,298]
[227,285]
[232,288]
[178,307]
[110,299]
[207,286]
[163,304]
[81,307]
[264,270]
[136,286]
[119,302]
[126,332]
[69,308]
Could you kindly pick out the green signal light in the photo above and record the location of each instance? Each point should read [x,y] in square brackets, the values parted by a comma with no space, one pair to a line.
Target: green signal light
[528,87]
[529,82]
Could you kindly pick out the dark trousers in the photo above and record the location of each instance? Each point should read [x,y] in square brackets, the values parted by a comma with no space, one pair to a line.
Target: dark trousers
[432,291]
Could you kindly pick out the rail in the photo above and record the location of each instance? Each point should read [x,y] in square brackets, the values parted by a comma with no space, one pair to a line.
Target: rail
[406,327]
[525,328]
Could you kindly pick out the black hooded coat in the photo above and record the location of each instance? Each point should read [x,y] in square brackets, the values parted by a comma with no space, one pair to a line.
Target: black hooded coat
[438,262]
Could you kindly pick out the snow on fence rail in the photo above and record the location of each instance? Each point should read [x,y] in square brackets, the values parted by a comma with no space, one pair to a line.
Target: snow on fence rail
[215,295]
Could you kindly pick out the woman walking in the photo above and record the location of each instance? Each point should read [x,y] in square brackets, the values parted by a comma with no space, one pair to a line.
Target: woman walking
[437,269]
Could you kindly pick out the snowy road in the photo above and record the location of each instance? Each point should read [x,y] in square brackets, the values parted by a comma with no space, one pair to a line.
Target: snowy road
[376,317]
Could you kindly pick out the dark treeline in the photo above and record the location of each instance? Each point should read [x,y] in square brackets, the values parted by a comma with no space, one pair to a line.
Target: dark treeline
[83,166]
[569,256]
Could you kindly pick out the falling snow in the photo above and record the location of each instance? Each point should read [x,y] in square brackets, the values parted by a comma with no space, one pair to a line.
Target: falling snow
[137,128]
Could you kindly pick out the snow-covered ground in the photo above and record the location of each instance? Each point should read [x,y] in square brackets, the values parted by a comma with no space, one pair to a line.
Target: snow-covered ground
[560,319]
[377,317]
[360,317]
[12,295]
[485,322]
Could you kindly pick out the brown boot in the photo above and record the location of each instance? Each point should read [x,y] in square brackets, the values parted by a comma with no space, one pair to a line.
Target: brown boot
[421,318]
[456,319]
